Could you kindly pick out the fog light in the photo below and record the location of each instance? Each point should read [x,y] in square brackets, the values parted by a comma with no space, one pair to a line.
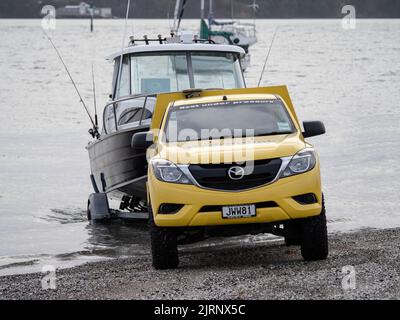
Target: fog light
[308,198]
[169,208]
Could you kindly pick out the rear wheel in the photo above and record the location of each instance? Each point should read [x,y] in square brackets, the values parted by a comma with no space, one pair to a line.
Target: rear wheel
[314,242]
[164,246]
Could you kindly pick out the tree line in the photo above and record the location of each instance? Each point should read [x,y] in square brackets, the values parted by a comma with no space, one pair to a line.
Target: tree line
[222,8]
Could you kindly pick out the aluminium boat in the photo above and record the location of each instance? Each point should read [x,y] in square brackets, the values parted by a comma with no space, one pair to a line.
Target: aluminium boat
[143,70]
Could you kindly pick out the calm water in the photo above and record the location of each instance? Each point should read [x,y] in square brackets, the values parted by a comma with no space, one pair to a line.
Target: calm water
[348,78]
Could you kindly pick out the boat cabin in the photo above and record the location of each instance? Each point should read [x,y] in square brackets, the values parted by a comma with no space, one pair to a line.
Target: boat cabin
[152,66]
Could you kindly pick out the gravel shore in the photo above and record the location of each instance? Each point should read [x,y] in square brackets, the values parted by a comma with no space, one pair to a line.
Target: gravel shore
[240,270]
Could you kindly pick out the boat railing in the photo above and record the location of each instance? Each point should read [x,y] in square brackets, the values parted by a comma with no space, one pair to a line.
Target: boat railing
[173,39]
[114,104]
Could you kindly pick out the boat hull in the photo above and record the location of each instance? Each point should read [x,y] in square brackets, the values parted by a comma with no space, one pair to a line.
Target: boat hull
[117,168]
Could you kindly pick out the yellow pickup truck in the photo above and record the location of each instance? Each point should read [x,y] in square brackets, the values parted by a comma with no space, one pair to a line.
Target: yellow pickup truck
[231,162]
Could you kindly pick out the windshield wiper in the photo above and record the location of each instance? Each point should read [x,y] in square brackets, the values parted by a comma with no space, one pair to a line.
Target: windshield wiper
[272,133]
[210,138]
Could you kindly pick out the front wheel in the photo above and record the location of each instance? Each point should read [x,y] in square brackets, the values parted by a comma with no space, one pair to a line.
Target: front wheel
[164,246]
[314,243]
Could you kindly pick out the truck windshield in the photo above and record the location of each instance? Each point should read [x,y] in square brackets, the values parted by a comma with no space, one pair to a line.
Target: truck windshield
[227,119]
[147,73]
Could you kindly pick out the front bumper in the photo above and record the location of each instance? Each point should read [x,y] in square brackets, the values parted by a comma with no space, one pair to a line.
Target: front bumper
[194,198]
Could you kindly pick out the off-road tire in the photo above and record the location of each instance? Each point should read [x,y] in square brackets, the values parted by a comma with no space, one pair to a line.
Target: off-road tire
[314,243]
[164,246]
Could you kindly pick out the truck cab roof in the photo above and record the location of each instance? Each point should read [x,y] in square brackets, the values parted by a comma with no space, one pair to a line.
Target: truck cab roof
[164,100]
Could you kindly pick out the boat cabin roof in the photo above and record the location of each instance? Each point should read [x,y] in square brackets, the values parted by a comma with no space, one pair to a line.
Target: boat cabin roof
[173,47]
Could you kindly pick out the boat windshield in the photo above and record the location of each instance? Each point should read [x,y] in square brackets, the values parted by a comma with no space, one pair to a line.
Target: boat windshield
[147,73]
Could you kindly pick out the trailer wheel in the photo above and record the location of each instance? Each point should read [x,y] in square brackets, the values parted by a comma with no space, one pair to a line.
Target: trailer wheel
[314,244]
[88,214]
[98,209]
[164,246]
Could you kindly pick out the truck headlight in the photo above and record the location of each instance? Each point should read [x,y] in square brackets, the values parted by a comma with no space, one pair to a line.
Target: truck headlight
[302,161]
[167,171]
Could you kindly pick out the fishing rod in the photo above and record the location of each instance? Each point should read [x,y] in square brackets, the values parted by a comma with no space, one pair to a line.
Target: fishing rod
[94,132]
[266,59]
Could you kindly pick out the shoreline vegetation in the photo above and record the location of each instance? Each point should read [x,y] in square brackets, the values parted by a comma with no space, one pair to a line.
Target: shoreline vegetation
[258,19]
[268,9]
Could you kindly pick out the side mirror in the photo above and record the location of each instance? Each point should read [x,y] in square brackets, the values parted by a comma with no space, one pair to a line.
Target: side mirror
[313,128]
[142,140]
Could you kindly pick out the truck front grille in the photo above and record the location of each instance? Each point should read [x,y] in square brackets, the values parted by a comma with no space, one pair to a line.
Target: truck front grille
[215,176]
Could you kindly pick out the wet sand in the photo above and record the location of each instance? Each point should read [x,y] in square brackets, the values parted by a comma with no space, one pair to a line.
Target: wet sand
[241,270]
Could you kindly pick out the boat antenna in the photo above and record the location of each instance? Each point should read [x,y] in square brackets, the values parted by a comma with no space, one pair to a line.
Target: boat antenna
[123,41]
[133,24]
[181,14]
[94,132]
[169,20]
[168,15]
[94,98]
[266,58]
[255,6]
[178,14]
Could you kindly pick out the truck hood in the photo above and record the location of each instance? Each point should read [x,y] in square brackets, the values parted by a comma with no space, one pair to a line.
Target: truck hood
[231,149]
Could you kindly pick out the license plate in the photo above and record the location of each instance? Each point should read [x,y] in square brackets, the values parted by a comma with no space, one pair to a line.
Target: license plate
[242,211]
